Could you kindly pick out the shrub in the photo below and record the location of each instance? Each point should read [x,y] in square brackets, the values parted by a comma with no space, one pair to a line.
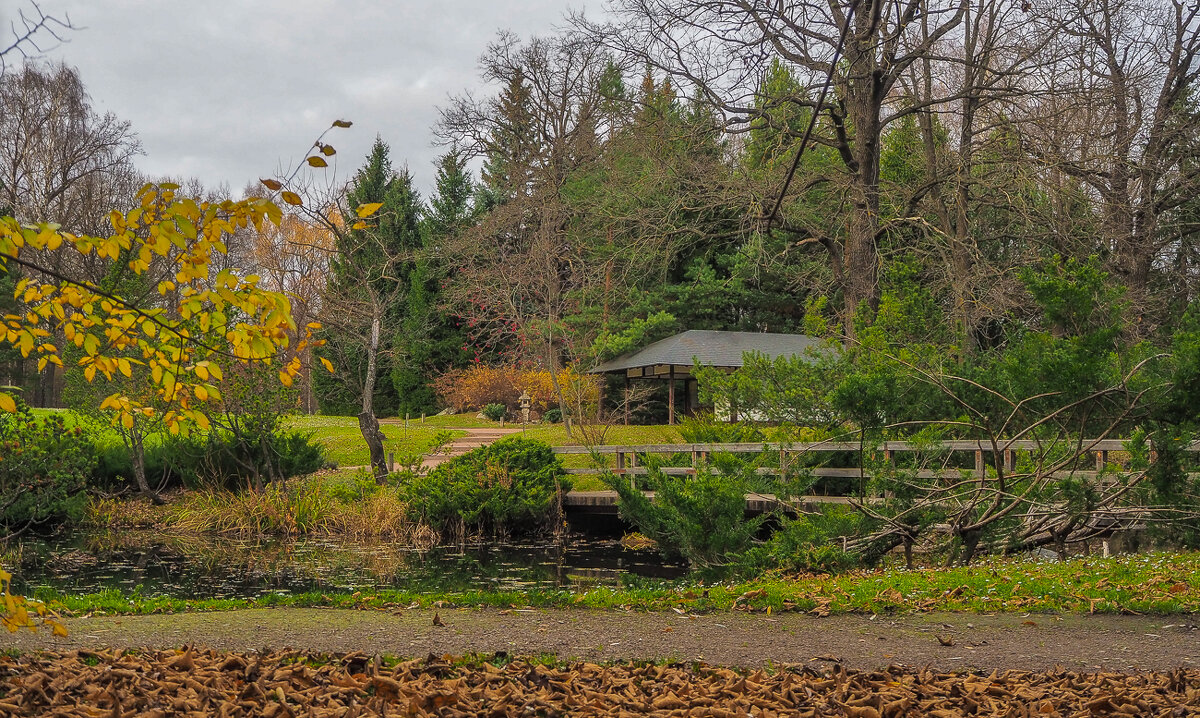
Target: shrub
[495,412]
[706,429]
[44,467]
[808,543]
[552,416]
[698,518]
[508,488]
[214,460]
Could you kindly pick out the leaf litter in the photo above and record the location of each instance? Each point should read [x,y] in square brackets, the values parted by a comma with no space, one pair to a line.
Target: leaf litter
[195,682]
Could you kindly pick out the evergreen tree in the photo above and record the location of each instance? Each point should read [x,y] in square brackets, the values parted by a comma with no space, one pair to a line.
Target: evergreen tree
[506,170]
[430,341]
[373,264]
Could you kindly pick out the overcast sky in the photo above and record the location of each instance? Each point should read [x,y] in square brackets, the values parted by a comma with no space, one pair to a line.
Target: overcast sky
[232,90]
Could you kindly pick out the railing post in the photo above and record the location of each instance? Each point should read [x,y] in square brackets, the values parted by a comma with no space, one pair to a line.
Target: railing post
[1101,460]
[979,467]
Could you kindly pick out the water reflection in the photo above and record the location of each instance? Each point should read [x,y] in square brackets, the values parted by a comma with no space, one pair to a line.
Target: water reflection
[212,567]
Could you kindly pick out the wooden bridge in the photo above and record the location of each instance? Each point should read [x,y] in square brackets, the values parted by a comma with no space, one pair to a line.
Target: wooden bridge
[627,461]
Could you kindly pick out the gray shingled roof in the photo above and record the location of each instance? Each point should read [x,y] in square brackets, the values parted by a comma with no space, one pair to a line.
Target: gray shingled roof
[721,349]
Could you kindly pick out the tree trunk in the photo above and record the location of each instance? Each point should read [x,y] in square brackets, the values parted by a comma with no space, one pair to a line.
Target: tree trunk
[863,91]
[367,423]
[137,453]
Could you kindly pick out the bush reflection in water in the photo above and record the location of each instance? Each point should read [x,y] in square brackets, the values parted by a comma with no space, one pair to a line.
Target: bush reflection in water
[212,567]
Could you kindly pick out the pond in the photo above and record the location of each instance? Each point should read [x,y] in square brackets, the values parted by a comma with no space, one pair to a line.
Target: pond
[212,567]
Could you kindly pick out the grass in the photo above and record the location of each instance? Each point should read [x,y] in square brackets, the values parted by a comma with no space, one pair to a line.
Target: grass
[1160,583]
[344,444]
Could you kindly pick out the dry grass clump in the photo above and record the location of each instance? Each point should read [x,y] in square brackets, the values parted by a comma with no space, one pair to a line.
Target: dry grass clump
[191,682]
[301,508]
[383,515]
[121,514]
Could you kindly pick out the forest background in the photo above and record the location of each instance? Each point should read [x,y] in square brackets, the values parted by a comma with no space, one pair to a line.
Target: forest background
[998,190]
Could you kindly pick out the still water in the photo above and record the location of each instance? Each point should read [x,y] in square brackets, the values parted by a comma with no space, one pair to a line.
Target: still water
[211,567]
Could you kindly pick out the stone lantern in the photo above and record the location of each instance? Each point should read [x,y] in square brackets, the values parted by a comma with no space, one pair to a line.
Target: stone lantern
[524,400]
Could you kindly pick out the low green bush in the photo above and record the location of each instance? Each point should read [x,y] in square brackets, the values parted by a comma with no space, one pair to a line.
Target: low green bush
[508,488]
[44,468]
[494,412]
[212,460]
[810,543]
[704,428]
[552,416]
[699,518]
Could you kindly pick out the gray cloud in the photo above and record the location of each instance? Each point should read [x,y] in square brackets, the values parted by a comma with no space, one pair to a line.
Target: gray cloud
[232,90]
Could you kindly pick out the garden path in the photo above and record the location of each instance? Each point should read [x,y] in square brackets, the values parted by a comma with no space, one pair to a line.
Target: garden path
[947,641]
[474,439]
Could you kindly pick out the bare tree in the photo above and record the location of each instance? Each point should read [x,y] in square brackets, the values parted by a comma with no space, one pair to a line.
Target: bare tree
[518,266]
[1118,116]
[31,33]
[56,154]
[862,48]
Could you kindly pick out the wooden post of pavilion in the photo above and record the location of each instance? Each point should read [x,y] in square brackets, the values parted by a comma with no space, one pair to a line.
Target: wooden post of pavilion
[626,397]
[671,395]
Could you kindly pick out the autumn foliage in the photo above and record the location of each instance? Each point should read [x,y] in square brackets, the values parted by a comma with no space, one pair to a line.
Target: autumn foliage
[188,315]
[479,385]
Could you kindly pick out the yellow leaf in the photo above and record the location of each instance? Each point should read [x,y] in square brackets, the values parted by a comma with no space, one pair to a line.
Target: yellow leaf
[342,123]
[58,629]
[127,420]
[273,185]
[368,209]
[201,393]
[7,403]
[285,378]
[317,162]
[326,363]
[328,150]
[202,372]
[359,225]
[292,198]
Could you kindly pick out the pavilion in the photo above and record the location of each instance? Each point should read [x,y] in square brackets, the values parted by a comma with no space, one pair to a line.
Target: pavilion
[673,358]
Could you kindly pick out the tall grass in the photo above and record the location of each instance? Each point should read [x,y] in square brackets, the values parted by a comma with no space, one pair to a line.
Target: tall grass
[302,508]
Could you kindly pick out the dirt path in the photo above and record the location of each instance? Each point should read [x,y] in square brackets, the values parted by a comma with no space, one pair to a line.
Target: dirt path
[1035,642]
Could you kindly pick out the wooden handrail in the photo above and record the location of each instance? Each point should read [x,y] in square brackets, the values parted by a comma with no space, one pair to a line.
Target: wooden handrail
[1085,445]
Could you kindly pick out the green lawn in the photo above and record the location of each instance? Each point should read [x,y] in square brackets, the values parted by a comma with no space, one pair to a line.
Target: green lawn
[344,443]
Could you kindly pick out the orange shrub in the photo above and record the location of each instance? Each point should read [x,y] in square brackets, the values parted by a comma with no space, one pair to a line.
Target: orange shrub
[478,386]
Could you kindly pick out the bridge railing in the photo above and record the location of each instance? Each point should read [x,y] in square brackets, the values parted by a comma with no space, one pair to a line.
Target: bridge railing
[626,456]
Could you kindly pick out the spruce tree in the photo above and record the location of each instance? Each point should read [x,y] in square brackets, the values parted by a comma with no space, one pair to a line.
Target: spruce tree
[430,341]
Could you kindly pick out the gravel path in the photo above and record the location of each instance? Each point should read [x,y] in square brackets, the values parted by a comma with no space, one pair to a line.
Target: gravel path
[986,642]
